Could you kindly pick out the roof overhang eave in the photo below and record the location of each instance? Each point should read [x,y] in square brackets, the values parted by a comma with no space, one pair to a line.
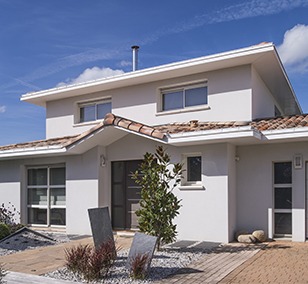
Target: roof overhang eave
[197,65]
[104,137]
[239,135]
[32,152]
[291,134]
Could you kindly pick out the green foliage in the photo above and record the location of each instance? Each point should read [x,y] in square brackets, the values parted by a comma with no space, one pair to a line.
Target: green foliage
[15,227]
[139,266]
[4,230]
[8,214]
[158,205]
[89,263]
[2,273]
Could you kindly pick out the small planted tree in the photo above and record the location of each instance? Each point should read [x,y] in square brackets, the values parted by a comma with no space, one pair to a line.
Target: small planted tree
[158,205]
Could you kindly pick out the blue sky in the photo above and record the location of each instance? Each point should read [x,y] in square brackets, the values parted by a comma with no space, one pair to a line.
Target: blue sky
[52,42]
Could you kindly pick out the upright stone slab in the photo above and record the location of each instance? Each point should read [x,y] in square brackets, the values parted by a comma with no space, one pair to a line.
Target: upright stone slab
[142,245]
[100,225]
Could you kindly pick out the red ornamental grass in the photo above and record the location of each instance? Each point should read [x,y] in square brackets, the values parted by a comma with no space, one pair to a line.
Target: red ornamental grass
[139,266]
[90,263]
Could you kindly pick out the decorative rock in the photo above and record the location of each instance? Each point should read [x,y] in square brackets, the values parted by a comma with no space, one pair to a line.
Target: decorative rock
[259,235]
[246,238]
[238,233]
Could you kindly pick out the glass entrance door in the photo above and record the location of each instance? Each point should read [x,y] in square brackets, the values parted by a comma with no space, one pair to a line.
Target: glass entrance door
[283,198]
[125,195]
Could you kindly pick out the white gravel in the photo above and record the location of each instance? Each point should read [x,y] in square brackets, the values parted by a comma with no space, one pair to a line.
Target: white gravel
[164,263]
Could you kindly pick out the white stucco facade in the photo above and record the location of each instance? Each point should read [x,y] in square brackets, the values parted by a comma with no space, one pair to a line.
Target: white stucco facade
[236,188]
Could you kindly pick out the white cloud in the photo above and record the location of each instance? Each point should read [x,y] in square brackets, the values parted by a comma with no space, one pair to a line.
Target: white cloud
[2,109]
[92,74]
[125,63]
[294,49]
[242,10]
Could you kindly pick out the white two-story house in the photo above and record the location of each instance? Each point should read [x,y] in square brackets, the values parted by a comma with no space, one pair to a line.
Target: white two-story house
[232,119]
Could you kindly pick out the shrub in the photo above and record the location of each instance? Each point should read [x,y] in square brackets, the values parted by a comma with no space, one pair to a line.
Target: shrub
[15,227]
[4,230]
[89,263]
[139,265]
[158,205]
[2,273]
[76,258]
[9,214]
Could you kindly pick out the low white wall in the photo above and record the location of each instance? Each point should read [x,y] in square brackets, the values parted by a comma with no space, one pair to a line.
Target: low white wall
[10,186]
[82,190]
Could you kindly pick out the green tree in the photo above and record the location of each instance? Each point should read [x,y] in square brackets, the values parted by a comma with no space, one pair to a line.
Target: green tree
[158,205]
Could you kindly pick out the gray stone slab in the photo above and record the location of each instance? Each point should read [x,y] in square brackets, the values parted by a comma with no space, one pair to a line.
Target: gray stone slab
[22,278]
[206,245]
[100,225]
[142,245]
[182,244]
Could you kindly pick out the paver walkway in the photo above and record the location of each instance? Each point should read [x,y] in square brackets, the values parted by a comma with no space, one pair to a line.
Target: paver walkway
[278,263]
[275,262]
[214,266]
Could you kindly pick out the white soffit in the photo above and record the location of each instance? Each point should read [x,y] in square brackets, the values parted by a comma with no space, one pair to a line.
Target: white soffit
[193,66]
[239,135]
[31,152]
[290,134]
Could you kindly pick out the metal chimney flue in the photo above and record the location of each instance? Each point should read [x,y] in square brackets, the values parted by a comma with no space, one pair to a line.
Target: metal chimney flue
[135,57]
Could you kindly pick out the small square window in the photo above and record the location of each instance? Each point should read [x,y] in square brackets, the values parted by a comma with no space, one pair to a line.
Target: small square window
[194,169]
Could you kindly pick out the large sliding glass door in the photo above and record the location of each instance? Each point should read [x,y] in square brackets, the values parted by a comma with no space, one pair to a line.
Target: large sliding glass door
[46,196]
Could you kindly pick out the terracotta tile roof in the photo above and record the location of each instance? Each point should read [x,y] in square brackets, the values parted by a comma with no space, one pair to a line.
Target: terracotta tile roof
[277,123]
[194,126]
[40,143]
[159,132]
[111,119]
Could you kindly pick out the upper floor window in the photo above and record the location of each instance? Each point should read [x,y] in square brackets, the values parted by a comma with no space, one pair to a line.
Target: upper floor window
[94,110]
[184,96]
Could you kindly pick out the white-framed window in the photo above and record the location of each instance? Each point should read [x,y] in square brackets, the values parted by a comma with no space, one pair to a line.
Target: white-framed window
[46,195]
[192,166]
[283,198]
[95,110]
[185,96]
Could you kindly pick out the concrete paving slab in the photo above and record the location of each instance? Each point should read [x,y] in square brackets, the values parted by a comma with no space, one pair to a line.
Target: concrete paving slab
[22,278]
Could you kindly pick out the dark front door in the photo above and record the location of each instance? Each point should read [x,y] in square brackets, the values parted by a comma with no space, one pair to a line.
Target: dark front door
[125,195]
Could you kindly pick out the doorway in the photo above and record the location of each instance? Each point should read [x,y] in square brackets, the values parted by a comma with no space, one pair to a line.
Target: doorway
[125,195]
